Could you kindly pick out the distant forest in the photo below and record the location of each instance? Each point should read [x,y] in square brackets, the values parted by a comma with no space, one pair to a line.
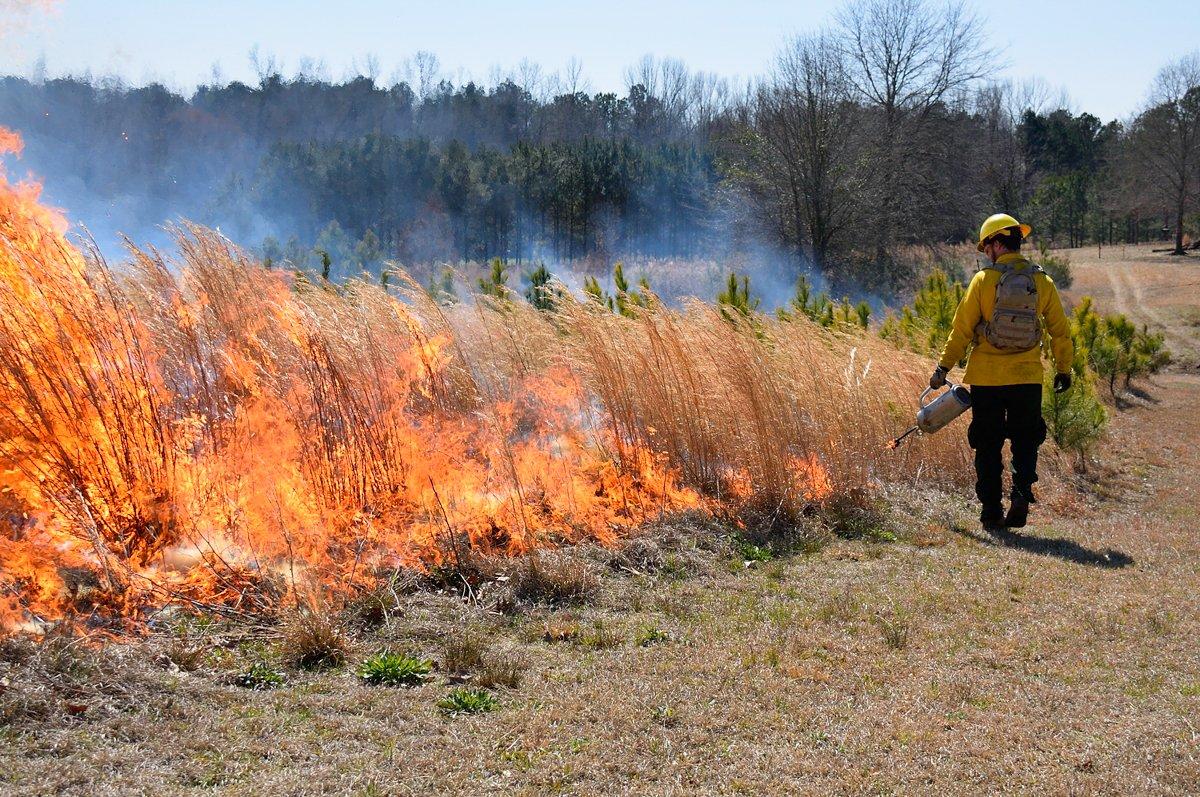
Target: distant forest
[835,160]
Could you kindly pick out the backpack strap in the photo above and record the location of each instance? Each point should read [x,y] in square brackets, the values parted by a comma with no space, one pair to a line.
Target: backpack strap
[1008,268]
[1034,268]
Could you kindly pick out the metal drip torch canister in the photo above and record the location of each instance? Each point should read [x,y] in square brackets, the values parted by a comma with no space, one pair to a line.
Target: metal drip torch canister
[943,409]
[939,412]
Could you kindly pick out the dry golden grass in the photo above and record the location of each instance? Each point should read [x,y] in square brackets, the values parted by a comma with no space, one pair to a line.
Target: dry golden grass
[1058,660]
[314,639]
[962,665]
[202,429]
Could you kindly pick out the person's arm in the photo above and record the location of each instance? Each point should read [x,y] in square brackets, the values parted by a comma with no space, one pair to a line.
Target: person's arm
[1061,345]
[962,330]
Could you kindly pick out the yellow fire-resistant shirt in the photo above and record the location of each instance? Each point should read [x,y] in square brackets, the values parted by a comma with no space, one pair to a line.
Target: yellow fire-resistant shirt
[987,364]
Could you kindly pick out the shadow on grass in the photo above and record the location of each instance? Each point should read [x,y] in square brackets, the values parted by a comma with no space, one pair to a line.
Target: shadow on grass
[1067,550]
[1136,392]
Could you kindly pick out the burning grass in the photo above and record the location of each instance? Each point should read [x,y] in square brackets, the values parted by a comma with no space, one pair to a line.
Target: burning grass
[199,429]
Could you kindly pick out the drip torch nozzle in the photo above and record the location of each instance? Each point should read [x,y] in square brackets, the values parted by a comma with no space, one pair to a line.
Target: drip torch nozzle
[894,444]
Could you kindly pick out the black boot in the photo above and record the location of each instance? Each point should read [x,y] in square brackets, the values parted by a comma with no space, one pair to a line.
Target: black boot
[992,518]
[1018,510]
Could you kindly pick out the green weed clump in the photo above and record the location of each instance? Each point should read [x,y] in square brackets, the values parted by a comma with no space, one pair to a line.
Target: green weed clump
[467,701]
[261,676]
[394,669]
[650,635]
[750,552]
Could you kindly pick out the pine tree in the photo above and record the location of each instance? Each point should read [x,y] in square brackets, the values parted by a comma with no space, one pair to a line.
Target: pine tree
[736,299]
[495,283]
[629,302]
[596,294]
[441,290]
[925,325]
[1075,419]
[540,294]
[368,253]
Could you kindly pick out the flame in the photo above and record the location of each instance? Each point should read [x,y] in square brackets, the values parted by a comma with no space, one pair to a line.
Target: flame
[809,481]
[10,142]
[231,435]
[208,431]
[812,478]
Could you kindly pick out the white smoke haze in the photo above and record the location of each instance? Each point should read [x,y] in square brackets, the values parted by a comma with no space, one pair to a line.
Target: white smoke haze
[102,149]
[17,12]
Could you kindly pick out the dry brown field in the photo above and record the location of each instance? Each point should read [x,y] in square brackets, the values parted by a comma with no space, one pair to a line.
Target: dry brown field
[1061,659]
[1152,288]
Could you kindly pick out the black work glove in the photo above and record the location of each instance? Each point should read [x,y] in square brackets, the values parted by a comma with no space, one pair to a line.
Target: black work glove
[939,377]
[1062,383]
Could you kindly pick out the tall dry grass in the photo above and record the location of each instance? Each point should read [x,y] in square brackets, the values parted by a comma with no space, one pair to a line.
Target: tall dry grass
[227,432]
[749,407]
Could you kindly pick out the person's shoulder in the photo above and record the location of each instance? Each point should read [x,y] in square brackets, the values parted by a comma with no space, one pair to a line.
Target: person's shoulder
[983,277]
[1042,277]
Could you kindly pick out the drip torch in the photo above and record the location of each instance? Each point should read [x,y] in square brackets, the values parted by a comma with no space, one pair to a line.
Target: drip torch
[937,413]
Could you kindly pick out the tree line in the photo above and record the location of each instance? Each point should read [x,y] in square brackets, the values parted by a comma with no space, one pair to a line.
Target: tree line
[887,128]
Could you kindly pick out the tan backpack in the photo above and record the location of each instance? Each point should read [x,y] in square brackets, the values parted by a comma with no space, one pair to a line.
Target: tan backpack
[1014,325]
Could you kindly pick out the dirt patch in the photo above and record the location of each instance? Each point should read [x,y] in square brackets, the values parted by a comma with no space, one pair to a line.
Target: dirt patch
[1152,288]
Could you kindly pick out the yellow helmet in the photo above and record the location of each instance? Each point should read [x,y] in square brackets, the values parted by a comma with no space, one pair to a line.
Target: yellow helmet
[998,223]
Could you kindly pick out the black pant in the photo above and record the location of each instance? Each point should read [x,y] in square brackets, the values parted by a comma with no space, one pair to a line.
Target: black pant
[1005,412]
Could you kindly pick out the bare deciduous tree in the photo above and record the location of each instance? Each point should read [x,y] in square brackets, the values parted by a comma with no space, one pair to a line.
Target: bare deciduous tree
[908,55]
[429,70]
[999,107]
[669,83]
[1165,140]
[803,125]
[907,59]
[709,98]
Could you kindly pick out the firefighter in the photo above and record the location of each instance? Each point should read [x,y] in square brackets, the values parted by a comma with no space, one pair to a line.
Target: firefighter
[1007,308]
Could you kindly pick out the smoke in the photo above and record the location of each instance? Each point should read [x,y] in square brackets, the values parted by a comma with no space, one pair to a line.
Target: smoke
[16,15]
[16,10]
[290,166]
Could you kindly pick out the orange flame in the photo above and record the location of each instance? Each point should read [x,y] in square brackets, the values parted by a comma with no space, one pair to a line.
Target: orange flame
[211,431]
[228,434]
[812,478]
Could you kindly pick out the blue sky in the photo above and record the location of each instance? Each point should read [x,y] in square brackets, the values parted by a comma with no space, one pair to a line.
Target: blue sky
[1104,53]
